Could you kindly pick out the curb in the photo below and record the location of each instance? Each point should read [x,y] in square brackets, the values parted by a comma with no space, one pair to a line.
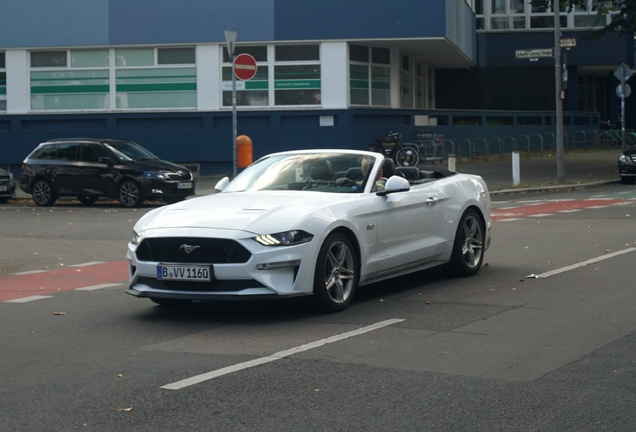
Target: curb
[564,186]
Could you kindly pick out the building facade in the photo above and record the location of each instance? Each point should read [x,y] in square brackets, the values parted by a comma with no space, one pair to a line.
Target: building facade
[333,74]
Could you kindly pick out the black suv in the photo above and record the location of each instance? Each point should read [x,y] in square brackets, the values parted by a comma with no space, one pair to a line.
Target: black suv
[90,168]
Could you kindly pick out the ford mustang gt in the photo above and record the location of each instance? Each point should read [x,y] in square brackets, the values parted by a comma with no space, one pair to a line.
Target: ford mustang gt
[310,222]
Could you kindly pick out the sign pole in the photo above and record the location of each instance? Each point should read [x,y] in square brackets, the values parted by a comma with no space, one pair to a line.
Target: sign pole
[558,91]
[230,39]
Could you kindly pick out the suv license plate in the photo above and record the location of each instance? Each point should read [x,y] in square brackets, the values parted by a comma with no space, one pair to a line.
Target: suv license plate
[3,188]
[185,273]
[184,185]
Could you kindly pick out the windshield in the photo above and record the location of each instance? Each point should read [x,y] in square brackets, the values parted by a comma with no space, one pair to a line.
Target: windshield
[319,172]
[129,151]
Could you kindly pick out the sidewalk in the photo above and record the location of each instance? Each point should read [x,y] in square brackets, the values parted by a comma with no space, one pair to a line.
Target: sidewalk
[580,168]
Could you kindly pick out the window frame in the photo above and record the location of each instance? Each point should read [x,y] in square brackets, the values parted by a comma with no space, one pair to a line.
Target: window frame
[370,71]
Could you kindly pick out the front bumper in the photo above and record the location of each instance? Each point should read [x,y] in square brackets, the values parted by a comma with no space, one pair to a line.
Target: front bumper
[7,188]
[230,281]
[627,164]
[166,189]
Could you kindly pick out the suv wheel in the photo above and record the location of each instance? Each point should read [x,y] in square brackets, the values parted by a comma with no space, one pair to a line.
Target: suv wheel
[43,193]
[129,194]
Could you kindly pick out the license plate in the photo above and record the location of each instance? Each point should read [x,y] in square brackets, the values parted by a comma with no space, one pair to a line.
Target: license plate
[184,273]
[3,188]
[184,185]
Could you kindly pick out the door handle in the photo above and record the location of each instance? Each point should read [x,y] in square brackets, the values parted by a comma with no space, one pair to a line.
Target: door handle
[431,200]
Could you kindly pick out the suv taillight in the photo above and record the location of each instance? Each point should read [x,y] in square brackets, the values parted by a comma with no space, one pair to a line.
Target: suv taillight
[23,166]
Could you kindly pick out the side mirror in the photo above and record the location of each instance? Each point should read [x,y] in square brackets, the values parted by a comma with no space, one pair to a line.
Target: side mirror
[105,159]
[221,184]
[395,184]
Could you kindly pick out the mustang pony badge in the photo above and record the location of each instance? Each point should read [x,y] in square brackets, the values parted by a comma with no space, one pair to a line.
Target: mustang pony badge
[188,248]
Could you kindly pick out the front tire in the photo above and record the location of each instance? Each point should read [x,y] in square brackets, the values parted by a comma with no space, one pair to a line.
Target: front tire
[43,193]
[468,248]
[627,180]
[336,274]
[129,194]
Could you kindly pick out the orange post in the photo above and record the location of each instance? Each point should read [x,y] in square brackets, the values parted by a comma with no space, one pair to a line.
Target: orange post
[243,151]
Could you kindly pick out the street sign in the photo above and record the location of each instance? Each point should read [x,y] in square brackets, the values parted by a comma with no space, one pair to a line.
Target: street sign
[244,67]
[534,53]
[623,94]
[623,72]
[568,43]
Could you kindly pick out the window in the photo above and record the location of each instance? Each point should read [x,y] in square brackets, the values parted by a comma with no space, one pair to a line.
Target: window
[92,152]
[3,83]
[286,75]
[155,78]
[297,75]
[69,80]
[369,76]
[254,92]
[405,83]
[66,152]
[525,14]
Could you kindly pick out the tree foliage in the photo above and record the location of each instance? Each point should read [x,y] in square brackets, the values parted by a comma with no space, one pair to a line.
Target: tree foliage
[622,12]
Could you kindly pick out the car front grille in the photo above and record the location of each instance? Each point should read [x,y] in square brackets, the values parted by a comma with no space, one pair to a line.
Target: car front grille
[213,286]
[181,175]
[192,250]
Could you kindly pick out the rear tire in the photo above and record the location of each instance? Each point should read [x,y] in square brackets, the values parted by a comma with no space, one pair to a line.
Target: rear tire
[336,274]
[43,193]
[129,194]
[468,248]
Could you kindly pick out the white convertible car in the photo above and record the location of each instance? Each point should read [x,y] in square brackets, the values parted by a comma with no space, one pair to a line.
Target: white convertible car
[310,222]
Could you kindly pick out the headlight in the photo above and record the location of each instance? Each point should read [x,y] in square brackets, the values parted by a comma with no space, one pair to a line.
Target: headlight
[287,238]
[625,159]
[11,176]
[136,238]
[154,175]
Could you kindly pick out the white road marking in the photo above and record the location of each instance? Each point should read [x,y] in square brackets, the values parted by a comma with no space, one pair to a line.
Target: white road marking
[96,287]
[509,219]
[276,356]
[541,215]
[87,264]
[28,299]
[584,263]
[28,272]
[570,211]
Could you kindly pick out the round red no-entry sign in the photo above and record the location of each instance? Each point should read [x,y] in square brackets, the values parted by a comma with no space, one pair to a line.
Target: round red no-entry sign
[244,67]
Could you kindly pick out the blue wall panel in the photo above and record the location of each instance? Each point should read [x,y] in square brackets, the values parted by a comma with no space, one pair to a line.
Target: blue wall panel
[53,23]
[189,21]
[336,19]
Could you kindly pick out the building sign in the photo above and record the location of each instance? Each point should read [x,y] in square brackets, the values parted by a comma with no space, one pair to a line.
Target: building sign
[534,53]
[296,84]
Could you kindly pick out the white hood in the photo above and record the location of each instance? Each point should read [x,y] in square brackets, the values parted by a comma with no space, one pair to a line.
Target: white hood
[255,212]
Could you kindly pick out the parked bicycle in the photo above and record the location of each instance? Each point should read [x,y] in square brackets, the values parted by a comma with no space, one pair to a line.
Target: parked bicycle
[427,144]
[612,138]
[391,146]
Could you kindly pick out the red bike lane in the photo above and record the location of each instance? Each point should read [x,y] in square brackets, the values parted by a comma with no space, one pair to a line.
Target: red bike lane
[552,207]
[67,279]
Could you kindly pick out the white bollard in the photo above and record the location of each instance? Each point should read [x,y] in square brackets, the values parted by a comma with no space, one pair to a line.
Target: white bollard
[516,172]
[452,163]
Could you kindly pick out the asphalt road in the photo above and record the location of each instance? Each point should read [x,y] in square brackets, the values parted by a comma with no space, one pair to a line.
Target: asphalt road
[499,351]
